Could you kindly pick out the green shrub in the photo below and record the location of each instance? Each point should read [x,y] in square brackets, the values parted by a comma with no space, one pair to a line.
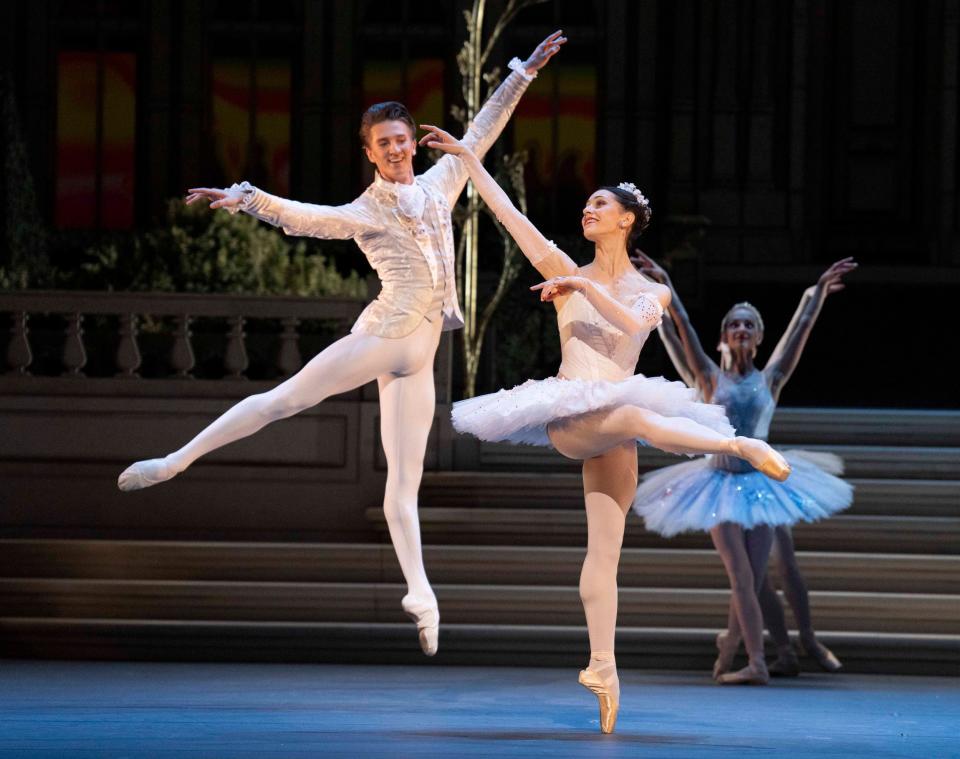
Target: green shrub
[204,251]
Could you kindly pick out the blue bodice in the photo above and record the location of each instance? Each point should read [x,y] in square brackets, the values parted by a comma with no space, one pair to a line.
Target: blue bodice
[750,407]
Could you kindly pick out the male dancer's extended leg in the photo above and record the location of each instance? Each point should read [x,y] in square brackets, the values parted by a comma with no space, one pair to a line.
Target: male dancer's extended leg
[406,416]
[609,486]
[348,363]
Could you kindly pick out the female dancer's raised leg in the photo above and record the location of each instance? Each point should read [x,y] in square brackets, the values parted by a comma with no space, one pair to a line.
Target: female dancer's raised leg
[609,484]
[406,415]
[744,556]
[585,436]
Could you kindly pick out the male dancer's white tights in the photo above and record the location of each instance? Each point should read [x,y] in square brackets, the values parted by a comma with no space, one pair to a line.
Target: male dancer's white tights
[403,368]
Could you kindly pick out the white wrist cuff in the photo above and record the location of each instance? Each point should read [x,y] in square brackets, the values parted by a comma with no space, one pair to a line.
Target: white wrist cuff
[248,191]
[517,65]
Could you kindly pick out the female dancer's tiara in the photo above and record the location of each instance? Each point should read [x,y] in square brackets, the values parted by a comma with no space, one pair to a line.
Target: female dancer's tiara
[632,188]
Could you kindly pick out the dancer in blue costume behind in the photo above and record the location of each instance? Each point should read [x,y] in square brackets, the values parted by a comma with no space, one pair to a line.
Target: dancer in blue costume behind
[743,510]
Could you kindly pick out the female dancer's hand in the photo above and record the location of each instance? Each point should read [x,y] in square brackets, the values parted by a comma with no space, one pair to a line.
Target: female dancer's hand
[228,198]
[830,281]
[440,140]
[558,286]
[544,52]
[649,268]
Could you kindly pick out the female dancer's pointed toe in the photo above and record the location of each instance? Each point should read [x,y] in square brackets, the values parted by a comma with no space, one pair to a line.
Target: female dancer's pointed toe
[823,656]
[426,616]
[725,655]
[755,673]
[609,705]
[763,457]
[786,664]
[143,474]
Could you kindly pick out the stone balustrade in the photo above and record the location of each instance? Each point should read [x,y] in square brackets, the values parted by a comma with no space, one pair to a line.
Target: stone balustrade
[130,308]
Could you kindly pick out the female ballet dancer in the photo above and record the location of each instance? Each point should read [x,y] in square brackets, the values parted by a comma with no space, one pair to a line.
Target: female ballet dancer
[402,224]
[596,409]
[791,579]
[743,511]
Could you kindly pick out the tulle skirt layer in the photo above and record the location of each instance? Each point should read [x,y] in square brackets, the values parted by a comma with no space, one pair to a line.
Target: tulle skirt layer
[696,496]
[522,413]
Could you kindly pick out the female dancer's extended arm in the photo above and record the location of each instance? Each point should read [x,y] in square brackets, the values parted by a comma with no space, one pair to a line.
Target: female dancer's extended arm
[787,354]
[546,257]
[700,367]
[642,316]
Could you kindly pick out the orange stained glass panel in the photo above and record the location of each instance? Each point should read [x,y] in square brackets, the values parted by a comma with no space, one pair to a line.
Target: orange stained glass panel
[268,163]
[77,159]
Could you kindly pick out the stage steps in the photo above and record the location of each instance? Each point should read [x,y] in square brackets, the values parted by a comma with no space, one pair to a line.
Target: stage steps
[466,603]
[168,599]
[503,546]
[179,561]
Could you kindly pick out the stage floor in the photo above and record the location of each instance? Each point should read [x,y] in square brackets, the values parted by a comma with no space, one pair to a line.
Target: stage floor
[208,711]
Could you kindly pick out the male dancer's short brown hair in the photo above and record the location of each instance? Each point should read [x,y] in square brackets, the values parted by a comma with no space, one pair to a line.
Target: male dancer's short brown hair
[391,110]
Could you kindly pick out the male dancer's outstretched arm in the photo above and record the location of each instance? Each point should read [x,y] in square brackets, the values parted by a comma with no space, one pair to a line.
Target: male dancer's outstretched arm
[450,175]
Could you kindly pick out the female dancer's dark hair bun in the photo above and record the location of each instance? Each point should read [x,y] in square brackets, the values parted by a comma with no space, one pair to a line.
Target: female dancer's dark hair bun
[641,211]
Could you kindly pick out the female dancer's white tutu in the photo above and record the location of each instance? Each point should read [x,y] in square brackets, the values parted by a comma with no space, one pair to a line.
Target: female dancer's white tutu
[695,495]
[521,414]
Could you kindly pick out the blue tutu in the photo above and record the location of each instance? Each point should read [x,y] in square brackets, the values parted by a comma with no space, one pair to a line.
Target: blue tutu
[696,495]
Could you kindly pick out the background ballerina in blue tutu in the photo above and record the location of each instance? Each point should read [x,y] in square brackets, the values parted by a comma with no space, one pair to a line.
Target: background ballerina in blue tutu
[743,510]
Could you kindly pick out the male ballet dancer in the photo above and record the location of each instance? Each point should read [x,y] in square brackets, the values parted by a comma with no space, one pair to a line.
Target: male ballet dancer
[402,224]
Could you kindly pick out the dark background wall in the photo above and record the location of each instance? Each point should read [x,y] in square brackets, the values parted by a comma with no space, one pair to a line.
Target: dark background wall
[802,131]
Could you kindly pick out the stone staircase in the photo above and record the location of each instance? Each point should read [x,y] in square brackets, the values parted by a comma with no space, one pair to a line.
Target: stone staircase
[503,546]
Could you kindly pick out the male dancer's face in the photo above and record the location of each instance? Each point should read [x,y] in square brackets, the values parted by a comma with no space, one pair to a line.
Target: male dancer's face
[391,148]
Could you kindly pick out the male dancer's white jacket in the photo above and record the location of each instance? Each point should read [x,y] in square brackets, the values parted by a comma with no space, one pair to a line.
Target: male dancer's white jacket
[406,235]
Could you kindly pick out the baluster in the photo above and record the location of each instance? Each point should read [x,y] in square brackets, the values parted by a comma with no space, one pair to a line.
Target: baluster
[289,359]
[74,354]
[128,352]
[19,355]
[181,355]
[235,361]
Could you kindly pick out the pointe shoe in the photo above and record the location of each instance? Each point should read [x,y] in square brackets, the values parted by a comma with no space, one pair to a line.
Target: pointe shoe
[143,474]
[763,458]
[726,654]
[823,656]
[427,618]
[786,664]
[755,673]
[609,706]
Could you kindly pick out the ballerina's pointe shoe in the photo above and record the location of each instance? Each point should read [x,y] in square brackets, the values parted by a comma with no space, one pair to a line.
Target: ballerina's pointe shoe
[426,615]
[763,458]
[143,474]
[786,664]
[823,656]
[755,673]
[600,678]
[726,652]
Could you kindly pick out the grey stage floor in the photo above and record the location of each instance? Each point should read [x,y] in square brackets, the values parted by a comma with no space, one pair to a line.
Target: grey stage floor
[89,709]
